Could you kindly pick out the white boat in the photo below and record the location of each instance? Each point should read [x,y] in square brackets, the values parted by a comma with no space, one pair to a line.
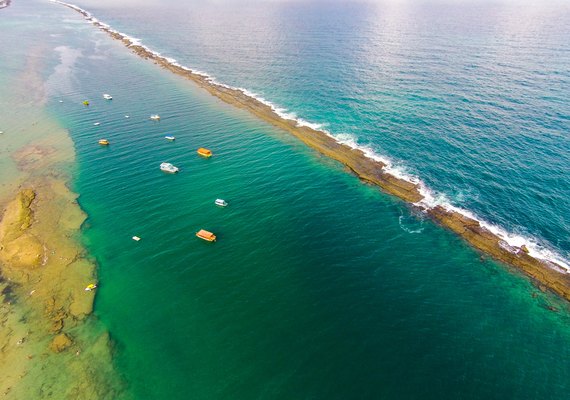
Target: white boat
[155,117]
[171,138]
[136,238]
[97,123]
[126,116]
[107,96]
[221,203]
[167,167]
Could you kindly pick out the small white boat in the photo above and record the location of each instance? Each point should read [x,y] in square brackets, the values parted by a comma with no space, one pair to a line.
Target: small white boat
[136,238]
[97,123]
[221,203]
[61,101]
[155,117]
[126,116]
[171,138]
[107,96]
[167,167]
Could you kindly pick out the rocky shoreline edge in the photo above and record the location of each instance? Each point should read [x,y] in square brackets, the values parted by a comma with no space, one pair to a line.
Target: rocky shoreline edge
[549,275]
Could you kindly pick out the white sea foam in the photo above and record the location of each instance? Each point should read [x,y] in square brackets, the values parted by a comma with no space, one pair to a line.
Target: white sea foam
[430,198]
[406,228]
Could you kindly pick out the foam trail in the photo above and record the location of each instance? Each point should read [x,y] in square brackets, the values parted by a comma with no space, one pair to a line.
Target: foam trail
[430,199]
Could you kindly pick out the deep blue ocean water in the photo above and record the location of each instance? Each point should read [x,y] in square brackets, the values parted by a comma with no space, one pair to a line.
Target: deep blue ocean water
[319,287]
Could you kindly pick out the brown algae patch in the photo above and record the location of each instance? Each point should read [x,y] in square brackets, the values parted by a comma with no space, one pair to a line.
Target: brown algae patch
[552,275]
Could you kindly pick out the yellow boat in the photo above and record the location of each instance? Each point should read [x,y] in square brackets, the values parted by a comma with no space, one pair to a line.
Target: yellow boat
[204,152]
[104,142]
[90,287]
[85,103]
[203,234]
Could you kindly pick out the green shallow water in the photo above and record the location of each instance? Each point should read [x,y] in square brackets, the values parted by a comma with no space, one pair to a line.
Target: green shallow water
[319,286]
[315,289]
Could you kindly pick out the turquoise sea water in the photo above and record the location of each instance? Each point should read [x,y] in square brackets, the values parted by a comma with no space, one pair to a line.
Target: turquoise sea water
[319,287]
[469,97]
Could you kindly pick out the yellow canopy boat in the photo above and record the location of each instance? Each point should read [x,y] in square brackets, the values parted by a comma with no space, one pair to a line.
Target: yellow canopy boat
[203,234]
[90,287]
[204,152]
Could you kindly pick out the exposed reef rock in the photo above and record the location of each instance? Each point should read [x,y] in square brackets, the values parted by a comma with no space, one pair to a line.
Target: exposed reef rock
[60,343]
[19,248]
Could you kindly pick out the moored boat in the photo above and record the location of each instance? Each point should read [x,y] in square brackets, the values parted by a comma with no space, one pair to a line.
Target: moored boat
[204,152]
[104,142]
[168,167]
[204,234]
[171,138]
[107,96]
[155,117]
[221,203]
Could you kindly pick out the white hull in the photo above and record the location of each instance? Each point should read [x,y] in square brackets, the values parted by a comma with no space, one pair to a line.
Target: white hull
[167,167]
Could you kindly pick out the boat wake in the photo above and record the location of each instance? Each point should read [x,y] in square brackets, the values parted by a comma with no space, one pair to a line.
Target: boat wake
[534,247]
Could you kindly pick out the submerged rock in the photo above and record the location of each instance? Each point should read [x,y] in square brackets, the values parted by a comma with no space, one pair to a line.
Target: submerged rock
[60,343]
